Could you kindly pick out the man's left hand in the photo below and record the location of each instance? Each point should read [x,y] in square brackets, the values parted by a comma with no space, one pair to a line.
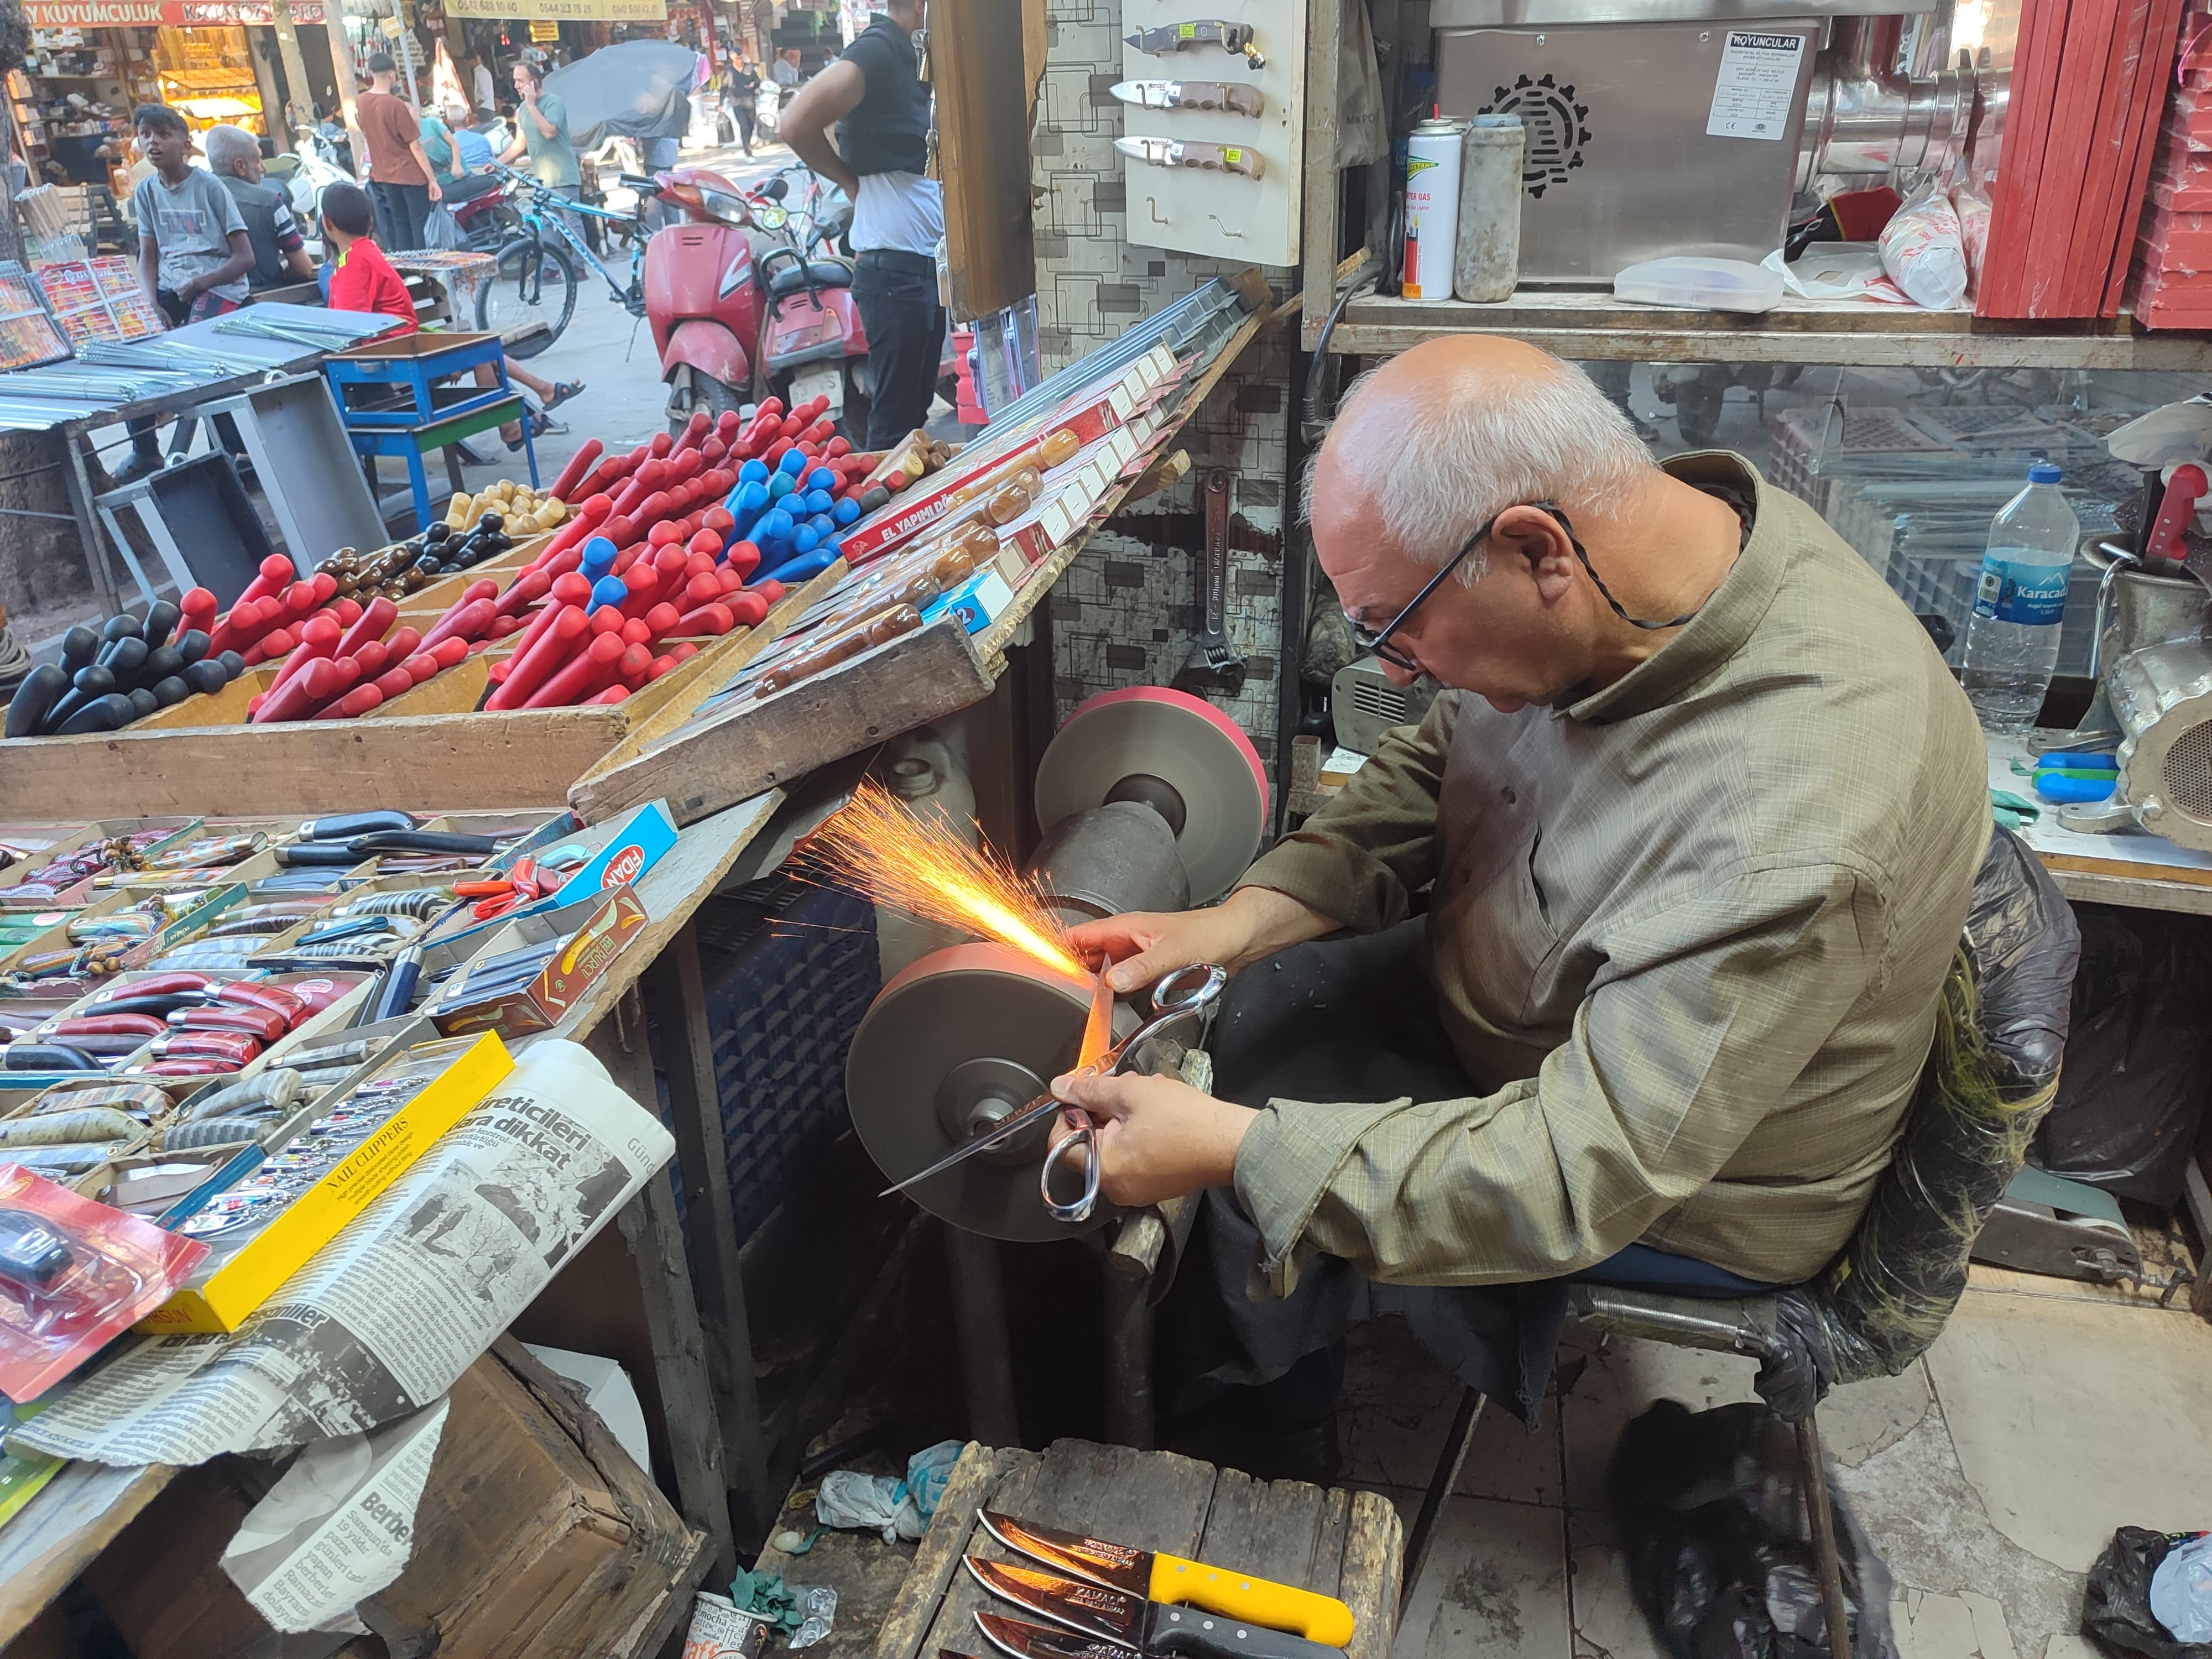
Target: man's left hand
[1157,1137]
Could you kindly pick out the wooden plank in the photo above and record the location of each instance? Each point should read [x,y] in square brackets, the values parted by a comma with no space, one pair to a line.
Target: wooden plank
[1373,1553]
[63,1528]
[1269,1530]
[983,154]
[976,1481]
[1328,1576]
[1590,327]
[740,751]
[1323,182]
[950,1622]
[2176,874]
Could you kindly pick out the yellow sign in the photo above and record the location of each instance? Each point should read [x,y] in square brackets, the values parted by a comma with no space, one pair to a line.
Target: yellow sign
[543,31]
[564,11]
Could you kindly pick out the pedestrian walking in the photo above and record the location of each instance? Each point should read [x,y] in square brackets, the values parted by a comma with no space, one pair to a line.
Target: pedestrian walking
[744,94]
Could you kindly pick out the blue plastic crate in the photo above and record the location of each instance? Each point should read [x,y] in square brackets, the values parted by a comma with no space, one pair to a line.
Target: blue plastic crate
[789,968]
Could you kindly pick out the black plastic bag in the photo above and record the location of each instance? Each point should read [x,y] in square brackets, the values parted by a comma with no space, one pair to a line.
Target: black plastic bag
[1710,1511]
[2116,1603]
[2139,1062]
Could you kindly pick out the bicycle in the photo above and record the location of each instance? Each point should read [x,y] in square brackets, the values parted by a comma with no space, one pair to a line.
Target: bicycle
[536,277]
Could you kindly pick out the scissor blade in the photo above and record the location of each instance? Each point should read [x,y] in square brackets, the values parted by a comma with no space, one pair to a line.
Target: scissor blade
[1035,1112]
[1098,1030]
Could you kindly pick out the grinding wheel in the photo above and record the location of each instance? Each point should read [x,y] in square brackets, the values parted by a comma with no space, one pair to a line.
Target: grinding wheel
[1126,745]
[949,1035]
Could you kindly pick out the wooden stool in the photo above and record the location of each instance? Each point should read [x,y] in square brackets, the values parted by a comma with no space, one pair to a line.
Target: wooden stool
[1341,1543]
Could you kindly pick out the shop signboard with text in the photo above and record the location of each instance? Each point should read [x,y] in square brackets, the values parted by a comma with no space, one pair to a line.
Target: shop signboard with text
[563,11]
[160,14]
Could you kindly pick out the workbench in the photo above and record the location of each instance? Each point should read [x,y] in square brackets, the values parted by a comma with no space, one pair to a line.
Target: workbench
[2132,868]
[1339,1542]
[688,1355]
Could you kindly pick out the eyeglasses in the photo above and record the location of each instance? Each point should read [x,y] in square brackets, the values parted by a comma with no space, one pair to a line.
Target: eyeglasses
[1376,641]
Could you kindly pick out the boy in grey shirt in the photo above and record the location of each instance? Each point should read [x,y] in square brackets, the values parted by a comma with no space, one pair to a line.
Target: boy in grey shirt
[193,252]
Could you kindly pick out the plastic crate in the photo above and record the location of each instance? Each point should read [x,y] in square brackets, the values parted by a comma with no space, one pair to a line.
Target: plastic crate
[789,968]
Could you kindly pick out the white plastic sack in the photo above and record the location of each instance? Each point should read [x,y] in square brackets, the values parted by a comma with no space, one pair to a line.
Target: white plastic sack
[1972,203]
[2181,1590]
[897,1509]
[1838,270]
[1924,251]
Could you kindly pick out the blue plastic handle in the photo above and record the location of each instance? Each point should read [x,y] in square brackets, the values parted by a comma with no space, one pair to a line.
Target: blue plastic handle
[821,478]
[598,557]
[802,569]
[793,463]
[2063,791]
[845,511]
[2107,760]
[608,590]
[753,471]
[781,485]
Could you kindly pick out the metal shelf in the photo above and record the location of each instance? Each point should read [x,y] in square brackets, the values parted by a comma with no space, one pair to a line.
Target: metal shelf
[1591,325]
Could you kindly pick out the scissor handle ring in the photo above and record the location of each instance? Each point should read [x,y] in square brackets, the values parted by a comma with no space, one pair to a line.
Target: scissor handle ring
[1190,987]
[1087,1138]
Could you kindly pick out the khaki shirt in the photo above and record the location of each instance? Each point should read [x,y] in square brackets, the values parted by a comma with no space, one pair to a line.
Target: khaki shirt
[1689,931]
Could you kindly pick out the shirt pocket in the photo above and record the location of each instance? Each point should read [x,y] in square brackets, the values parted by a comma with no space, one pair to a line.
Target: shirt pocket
[1506,937]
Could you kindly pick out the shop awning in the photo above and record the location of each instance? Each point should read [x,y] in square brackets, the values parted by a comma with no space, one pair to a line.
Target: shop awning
[156,14]
[563,11]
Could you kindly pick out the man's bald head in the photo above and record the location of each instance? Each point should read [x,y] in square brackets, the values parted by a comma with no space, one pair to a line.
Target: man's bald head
[1442,438]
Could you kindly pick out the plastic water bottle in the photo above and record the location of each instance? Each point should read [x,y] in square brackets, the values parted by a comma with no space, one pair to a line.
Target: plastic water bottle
[2012,638]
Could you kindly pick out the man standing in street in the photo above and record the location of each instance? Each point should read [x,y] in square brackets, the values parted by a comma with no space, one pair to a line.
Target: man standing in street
[744,85]
[541,127]
[400,180]
[784,70]
[875,96]
[481,93]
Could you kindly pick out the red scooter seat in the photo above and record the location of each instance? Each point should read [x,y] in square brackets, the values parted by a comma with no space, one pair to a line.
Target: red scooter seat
[816,273]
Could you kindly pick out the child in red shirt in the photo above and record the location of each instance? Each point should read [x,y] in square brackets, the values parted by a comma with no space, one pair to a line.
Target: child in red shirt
[362,278]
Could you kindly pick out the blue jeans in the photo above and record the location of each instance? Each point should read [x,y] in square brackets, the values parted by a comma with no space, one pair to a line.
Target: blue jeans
[1640,1267]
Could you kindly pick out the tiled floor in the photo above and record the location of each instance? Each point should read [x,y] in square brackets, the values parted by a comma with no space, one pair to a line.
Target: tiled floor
[1988,1476]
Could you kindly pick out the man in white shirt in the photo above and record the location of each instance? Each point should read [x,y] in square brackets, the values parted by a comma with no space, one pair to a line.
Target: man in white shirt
[875,96]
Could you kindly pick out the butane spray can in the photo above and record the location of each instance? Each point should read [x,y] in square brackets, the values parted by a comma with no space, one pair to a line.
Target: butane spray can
[1434,154]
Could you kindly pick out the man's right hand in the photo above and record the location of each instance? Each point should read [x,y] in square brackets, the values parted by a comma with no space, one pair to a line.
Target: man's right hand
[1253,922]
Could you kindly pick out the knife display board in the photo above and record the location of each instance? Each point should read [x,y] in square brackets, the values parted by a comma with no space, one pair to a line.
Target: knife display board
[1205,210]
[1341,1543]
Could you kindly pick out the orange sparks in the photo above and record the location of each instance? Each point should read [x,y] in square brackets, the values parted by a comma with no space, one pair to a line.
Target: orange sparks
[874,844]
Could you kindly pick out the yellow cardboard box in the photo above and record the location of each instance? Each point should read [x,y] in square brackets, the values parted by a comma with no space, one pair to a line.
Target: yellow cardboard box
[230,1284]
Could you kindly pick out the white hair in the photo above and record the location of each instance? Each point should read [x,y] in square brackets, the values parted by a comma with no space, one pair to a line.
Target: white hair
[226,147]
[1555,438]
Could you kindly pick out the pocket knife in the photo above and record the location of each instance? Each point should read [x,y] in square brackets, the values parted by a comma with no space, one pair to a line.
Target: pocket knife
[1233,95]
[1211,32]
[1191,153]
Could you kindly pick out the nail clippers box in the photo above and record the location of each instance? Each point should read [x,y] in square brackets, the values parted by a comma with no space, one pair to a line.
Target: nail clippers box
[620,852]
[977,602]
[243,1269]
[592,933]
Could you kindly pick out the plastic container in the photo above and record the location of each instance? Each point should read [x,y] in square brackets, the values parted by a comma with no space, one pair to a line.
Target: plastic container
[1486,257]
[2020,602]
[1699,283]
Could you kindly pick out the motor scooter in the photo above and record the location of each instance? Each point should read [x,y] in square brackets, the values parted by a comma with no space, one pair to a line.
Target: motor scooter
[704,297]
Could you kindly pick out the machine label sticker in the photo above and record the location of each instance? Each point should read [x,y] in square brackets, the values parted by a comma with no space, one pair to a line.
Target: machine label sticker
[1757,84]
[2011,590]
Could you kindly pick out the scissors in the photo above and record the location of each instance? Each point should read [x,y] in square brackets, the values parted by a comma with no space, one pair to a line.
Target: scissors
[1183,997]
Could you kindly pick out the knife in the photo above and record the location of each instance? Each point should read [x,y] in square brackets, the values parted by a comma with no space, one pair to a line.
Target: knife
[1232,95]
[1211,32]
[1127,1622]
[1170,1578]
[1190,153]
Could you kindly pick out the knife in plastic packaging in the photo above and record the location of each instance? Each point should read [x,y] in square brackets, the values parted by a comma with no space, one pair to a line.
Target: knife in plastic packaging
[1232,95]
[1100,1618]
[1191,153]
[1208,32]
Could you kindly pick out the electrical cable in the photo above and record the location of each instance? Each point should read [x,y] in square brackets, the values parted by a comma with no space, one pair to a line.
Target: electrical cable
[15,661]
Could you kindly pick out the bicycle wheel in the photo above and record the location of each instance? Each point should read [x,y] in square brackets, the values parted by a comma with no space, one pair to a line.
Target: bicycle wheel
[534,281]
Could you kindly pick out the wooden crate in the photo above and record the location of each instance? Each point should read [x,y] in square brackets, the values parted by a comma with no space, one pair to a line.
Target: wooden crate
[1341,1543]
[454,755]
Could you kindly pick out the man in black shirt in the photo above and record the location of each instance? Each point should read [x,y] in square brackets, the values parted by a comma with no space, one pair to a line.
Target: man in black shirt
[881,108]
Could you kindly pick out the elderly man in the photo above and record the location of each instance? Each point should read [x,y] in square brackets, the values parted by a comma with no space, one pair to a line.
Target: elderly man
[280,252]
[1696,820]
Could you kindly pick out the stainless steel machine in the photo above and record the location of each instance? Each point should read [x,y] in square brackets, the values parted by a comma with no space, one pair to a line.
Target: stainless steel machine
[1684,126]
[1152,800]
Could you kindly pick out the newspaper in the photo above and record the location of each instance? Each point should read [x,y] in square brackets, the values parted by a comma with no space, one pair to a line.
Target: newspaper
[388,1314]
[340,1525]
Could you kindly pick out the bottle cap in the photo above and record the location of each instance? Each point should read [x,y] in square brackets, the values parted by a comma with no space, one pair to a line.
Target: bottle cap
[2043,472]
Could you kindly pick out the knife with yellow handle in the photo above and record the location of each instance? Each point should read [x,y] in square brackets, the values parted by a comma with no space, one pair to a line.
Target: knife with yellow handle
[1161,1578]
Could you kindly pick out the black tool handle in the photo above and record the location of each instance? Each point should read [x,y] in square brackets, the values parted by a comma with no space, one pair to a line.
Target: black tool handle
[423,841]
[1194,1633]
[346,825]
[335,853]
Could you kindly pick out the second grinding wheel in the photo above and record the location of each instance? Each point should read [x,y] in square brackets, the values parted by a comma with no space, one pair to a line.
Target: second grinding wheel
[1178,754]
[956,1041]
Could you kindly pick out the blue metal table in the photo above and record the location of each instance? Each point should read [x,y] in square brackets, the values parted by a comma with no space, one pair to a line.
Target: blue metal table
[413,422]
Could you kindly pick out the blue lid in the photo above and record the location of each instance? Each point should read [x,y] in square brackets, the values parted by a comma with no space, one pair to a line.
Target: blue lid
[2043,472]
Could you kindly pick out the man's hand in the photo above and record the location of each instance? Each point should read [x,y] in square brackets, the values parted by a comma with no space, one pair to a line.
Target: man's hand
[1157,1138]
[191,289]
[436,195]
[1254,922]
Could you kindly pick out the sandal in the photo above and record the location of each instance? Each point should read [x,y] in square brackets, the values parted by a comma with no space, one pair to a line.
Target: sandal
[562,390]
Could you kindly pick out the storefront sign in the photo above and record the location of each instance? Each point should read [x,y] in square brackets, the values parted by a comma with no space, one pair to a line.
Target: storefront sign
[545,32]
[156,14]
[564,11]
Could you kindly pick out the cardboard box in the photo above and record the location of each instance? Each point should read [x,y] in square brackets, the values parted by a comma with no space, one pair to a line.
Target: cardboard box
[536,1538]
[597,929]
[233,1281]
